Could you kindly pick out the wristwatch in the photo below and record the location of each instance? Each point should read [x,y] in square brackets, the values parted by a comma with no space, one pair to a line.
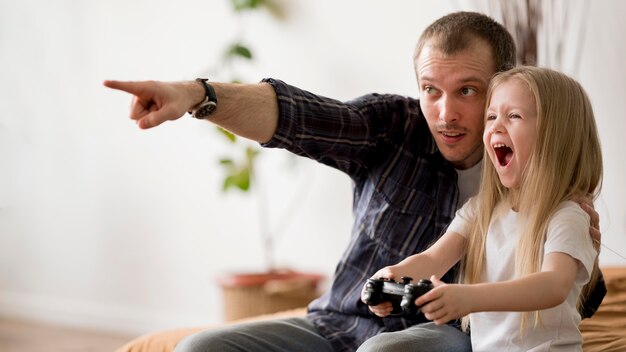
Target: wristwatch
[209,104]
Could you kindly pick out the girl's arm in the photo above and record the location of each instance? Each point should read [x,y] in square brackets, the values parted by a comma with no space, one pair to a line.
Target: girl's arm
[436,260]
[541,290]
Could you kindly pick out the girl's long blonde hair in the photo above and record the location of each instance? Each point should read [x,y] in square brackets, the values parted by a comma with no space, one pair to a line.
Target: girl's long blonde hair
[565,162]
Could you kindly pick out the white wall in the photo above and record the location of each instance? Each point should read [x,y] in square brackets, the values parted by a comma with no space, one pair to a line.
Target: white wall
[107,226]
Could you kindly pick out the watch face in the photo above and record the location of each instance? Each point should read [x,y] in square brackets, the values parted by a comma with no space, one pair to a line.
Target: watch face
[205,109]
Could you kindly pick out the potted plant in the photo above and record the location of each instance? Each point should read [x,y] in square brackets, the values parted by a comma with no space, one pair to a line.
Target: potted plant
[268,290]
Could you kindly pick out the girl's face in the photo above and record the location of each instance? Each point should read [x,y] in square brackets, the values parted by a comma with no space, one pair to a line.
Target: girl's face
[510,130]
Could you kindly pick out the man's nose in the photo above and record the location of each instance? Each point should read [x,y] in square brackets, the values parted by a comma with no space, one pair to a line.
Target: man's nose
[448,110]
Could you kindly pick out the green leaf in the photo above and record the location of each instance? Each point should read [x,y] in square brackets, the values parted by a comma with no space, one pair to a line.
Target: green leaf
[275,9]
[227,162]
[241,5]
[231,137]
[239,50]
[239,179]
[229,182]
[243,179]
[251,154]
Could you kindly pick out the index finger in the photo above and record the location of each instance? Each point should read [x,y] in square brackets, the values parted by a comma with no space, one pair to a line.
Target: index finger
[134,88]
[427,297]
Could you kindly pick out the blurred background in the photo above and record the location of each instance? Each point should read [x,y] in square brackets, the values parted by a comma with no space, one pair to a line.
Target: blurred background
[109,227]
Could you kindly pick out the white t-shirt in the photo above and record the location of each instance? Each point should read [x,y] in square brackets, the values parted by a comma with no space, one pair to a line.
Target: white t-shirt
[568,232]
[468,181]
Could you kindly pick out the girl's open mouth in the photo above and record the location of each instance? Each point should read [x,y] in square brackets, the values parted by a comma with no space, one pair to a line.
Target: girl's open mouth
[504,153]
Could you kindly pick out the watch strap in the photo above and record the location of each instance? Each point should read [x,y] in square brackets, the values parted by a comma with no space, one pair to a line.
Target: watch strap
[210,98]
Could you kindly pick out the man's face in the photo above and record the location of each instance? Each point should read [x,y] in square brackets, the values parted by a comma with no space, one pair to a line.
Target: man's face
[452,96]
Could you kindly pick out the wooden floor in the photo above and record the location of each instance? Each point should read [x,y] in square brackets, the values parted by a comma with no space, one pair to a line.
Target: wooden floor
[24,336]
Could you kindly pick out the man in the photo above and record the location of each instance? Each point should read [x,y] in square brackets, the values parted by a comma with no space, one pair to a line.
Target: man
[412,162]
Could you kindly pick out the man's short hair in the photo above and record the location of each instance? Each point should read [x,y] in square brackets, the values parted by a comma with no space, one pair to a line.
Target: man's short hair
[459,30]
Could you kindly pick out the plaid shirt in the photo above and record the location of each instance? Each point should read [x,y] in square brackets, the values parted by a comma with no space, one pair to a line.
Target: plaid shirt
[405,193]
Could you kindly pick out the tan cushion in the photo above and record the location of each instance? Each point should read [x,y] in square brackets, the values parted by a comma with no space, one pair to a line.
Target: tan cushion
[606,330]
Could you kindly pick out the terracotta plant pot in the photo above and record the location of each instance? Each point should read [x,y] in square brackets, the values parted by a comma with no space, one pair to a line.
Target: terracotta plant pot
[250,294]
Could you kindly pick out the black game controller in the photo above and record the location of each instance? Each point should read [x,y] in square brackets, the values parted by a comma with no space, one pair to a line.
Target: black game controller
[401,295]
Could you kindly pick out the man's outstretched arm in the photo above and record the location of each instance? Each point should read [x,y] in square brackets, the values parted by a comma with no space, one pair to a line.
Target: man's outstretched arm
[247,110]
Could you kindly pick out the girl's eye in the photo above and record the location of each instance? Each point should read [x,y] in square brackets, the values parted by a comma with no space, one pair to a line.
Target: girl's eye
[468,91]
[515,116]
[491,117]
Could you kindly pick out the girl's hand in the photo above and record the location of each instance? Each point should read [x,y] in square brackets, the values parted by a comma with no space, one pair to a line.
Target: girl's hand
[445,302]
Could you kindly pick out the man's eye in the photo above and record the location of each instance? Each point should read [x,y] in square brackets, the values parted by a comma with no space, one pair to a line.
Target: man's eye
[468,91]
[429,90]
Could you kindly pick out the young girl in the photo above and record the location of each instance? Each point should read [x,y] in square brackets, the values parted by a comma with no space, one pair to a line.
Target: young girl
[524,246]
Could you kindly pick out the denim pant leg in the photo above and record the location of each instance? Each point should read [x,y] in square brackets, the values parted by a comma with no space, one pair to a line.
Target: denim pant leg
[281,335]
[426,337]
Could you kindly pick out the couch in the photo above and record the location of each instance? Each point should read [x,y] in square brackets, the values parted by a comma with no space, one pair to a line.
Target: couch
[605,331]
